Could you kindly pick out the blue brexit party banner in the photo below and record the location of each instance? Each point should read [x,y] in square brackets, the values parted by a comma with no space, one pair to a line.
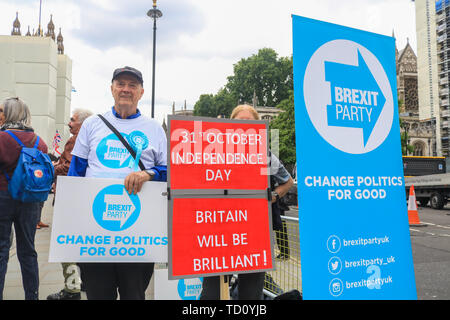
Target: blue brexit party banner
[354,231]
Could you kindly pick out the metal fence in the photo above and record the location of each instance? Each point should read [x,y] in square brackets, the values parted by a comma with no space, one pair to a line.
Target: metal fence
[287,273]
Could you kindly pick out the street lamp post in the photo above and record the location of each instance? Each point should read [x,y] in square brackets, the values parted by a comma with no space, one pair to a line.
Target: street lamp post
[154,13]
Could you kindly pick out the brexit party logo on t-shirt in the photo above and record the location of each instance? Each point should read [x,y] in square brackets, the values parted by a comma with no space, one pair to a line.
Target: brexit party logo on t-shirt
[113,154]
[114,209]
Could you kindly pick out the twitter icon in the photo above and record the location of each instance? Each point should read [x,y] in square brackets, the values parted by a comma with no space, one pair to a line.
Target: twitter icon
[335,265]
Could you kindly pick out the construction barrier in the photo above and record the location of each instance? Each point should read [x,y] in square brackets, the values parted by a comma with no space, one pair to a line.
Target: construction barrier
[287,273]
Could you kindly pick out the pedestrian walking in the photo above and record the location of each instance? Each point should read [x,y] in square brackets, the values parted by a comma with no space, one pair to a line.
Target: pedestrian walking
[15,123]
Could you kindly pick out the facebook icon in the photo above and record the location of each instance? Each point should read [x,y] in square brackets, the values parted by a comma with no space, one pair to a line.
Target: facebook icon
[333,244]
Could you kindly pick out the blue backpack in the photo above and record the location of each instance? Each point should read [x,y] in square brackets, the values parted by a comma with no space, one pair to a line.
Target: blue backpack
[33,177]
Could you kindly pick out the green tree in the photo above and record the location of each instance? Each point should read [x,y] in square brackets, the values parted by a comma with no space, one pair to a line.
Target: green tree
[210,105]
[224,102]
[270,78]
[263,74]
[205,106]
[404,137]
[285,124]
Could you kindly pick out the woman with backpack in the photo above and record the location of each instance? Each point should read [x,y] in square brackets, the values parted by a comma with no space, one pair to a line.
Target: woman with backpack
[15,117]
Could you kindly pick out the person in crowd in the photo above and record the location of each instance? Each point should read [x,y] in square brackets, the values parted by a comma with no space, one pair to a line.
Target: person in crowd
[105,280]
[15,116]
[250,285]
[52,157]
[72,281]
[40,224]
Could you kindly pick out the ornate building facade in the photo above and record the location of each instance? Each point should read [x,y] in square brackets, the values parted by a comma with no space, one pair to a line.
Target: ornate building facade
[34,67]
[407,80]
[421,133]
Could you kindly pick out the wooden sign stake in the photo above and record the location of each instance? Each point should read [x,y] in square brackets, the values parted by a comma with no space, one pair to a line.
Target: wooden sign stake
[224,289]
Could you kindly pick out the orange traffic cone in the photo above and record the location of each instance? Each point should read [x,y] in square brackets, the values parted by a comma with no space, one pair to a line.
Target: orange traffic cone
[413,214]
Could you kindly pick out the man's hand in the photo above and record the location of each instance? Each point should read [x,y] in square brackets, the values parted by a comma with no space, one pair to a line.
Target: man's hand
[134,181]
[274,199]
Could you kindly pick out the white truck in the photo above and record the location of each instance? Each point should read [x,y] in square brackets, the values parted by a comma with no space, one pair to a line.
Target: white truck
[434,188]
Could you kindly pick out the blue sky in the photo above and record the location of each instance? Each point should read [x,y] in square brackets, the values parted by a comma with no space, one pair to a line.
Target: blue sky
[198,41]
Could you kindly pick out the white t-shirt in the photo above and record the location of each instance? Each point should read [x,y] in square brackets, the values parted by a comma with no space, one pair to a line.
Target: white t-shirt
[107,156]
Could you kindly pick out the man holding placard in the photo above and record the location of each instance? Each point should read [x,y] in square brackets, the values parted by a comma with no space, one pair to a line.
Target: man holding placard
[102,153]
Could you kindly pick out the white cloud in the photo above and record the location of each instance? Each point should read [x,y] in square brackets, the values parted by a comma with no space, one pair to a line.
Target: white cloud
[198,41]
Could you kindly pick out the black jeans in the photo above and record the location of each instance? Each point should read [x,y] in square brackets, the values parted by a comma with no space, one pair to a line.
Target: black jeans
[24,216]
[103,281]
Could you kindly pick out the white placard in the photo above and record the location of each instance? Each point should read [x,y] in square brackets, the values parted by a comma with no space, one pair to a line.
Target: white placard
[180,289]
[96,220]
